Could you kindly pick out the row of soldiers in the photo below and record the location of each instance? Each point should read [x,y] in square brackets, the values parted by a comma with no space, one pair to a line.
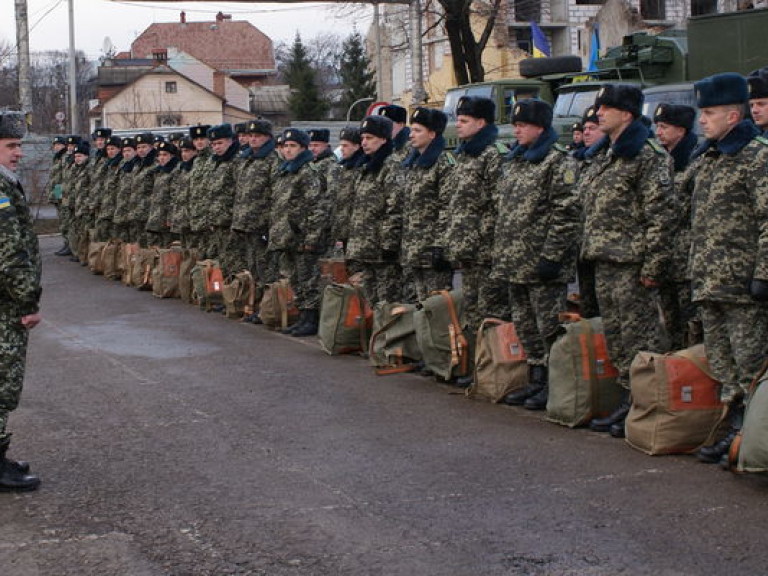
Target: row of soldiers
[646,221]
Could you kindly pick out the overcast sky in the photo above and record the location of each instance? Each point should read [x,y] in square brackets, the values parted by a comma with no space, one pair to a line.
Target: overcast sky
[122,21]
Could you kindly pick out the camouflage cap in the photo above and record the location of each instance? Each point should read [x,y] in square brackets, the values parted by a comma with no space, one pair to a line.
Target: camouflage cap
[12,125]
[259,126]
[220,131]
[199,131]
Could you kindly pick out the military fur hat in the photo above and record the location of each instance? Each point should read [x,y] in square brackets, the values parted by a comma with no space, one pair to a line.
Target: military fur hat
[145,138]
[380,126]
[59,140]
[477,107]
[129,143]
[590,115]
[175,136]
[102,133]
[241,127]
[577,127]
[186,144]
[532,111]
[114,141]
[319,135]
[350,134]
[167,147]
[83,148]
[721,90]
[296,135]
[676,115]
[158,138]
[74,139]
[260,126]
[220,131]
[758,83]
[430,118]
[622,97]
[199,131]
[394,112]
[13,124]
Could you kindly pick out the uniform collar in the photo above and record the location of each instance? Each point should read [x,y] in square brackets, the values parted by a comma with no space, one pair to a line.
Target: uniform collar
[429,157]
[479,142]
[539,150]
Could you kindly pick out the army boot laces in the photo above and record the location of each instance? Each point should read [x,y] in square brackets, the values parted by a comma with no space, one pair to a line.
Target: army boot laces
[310,326]
[714,453]
[617,417]
[12,476]
[537,380]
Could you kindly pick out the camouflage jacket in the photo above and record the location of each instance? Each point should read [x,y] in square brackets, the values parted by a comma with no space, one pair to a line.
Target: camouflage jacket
[110,189]
[56,176]
[126,171]
[67,170]
[250,212]
[179,214]
[470,218]
[729,229]
[402,146]
[160,204]
[537,212]
[219,187]
[299,212]
[20,268]
[80,190]
[143,183]
[99,167]
[681,156]
[629,209]
[341,189]
[197,195]
[426,193]
[376,220]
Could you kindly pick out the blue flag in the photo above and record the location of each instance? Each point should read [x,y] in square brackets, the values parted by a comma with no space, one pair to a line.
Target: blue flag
[594,48]
[540,43]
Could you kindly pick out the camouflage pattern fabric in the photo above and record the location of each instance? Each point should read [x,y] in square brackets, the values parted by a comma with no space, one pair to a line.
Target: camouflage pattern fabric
[535,310]
[121,214]
[78,186]
[141,196]
[381,282]
[342,181]
[158,220]
[425,281]
[106,211]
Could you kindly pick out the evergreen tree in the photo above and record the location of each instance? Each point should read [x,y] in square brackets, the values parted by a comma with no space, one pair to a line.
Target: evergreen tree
[356,75]
[305,101]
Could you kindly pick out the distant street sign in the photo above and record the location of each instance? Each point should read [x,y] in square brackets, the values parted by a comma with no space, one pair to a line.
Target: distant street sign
[374,108]
[60,116]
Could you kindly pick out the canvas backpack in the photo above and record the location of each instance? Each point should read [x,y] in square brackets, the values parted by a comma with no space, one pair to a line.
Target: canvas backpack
[188,262]
[438,324]
[128,253]
[277,310]
[165,273]
[393,347]
[749,450]
[500,362]
[345,320]
[111,257]
[208,284]
[239,295]
[95,260]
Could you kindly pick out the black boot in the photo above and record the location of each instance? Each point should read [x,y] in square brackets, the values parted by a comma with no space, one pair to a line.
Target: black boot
[296,325]
[539,400]
[309,328]
[537,379]
[714,453]
[64,251]
[12,476]
[616,418]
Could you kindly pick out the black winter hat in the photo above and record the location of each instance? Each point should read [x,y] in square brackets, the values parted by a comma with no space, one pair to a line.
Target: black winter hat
[186,144]
[102,133]
[319,135]
[13,125]
[721,90]
[532,111]
[577,127]
[114,141]
[241,127]
[622,97]
[128,143]
[430,118]
[380,126]
[167,147]
[394,112]
[758,83]
[260,126]
[676,115]
[83,148]
[220,131]
[59,140]
[477,107]
[590,115]
[175,136]
[159,138]
[296,135]
[145,138]
[350,134]
[199,131]
[74,139]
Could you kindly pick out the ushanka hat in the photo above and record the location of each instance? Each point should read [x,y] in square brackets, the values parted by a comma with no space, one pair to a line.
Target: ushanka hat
[430,118]
[590,115]
[532,111]
[186,144]
[73,139]
[145,138]
[102,133]
[82,148]
[477,107]
[296,135]
[241,127]
[260,126]
[167,147]
[128,143]
[622,97]
[380,126]
[13,125]
[676,115]
[220,131]
[319,135]
[114,141]
[758,83]
[59,140]
[394,112]
[199,131]
[350,134]
[721,90]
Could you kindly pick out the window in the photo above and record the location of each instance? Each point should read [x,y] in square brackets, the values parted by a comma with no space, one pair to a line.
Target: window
[170,87]
[169,120]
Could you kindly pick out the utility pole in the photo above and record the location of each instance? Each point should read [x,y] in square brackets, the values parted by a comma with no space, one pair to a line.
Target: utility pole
[73,119]
[417,70]
[22,51]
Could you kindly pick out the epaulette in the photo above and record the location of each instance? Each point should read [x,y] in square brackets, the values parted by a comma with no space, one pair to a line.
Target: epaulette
[561,147]
[451,158]
[501,148]
[658,148]
[762,139]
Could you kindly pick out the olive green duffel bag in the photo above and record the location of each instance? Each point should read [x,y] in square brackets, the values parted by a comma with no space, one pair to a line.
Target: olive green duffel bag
[749,450]
[439,333]
[345,320]
[393,347]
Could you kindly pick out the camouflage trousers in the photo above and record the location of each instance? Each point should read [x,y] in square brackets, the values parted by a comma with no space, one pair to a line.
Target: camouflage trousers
[679,312]
[736,339]
[535,312]
[104,229]
[630,315]
[253,256]
[427,280]
[483,297]
[303,271]
[64,221]
[13,354]
[381,281]
[138,233]
[161,238]
[121,231]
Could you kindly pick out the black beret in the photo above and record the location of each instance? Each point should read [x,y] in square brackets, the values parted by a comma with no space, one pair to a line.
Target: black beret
[758,83]
[145,138]
[676,115]
[477,107]
[102,133]
[577,127]
[241,127]
[74,139]
[350,134]
[175,136]
[115,141]
[158,138]
[590,115]
[296,135]
[220,131]
[532,111]
[380,126]
[129,143]
[199,131]
[83,147]
[622,97]
[319,135]
[167,147]
[430,118]
[59,140]
[260,126]
[721,90]
[394,112]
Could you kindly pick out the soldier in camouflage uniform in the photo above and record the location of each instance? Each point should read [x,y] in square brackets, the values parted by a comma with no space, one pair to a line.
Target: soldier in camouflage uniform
[20,285]
[55,185]
[143,184]
[105,228]
[79,202]
[121,220]
[298,218]
[243,142]
[341,185]
[470,217]
[401,134]
[197,211]
[158,222]
[758,98]
[427,189]
[729,244]
[674,131]
[65,212]
[98,166]
[629,215]
[537,227]
[179,214]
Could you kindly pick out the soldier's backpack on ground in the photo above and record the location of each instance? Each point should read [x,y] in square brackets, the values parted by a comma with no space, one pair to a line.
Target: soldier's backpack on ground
[582,380]
[676,405]
[188,261]
[141,268]
[345,320]
[500,363]
[239,295]
[749,450]
[439,333]
[393,346]
[165,273]
[277,310]
[95,257]
[208,284]
[128,252]
[112,258]
[82,248]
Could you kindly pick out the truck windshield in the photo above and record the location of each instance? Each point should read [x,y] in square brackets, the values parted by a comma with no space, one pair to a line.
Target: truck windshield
[574,103]
[452,97]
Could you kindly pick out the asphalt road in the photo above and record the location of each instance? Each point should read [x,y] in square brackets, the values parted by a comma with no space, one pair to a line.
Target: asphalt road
[175,442]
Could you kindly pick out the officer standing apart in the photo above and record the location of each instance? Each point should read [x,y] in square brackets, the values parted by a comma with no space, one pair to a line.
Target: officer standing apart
[758,98]
[729,244]
[537,228]
[20,284]
[628,218]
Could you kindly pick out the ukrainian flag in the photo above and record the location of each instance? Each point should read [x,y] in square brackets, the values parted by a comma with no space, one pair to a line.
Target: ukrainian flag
[540,43]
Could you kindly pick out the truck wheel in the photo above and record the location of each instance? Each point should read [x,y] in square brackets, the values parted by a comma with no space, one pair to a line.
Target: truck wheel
[532,67]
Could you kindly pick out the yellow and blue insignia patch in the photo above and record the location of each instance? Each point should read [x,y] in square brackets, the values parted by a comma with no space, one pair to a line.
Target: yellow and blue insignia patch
[5,202]
[658,148]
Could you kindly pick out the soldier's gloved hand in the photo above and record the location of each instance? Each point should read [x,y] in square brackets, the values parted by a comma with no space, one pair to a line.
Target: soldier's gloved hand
[759,290]
[548,270]
[389,255]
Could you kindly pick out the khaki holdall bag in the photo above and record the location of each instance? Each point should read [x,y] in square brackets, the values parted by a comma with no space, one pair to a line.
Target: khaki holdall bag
[239,295]
[165,273]
[95,257]
[582,380]
[208,284]
[500,364]
[188,262]
[141,268]
[676,405]
[112,257]
[345,320]
[749,450]
[440,336]
[393,348]
[128,253]
[276,309]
